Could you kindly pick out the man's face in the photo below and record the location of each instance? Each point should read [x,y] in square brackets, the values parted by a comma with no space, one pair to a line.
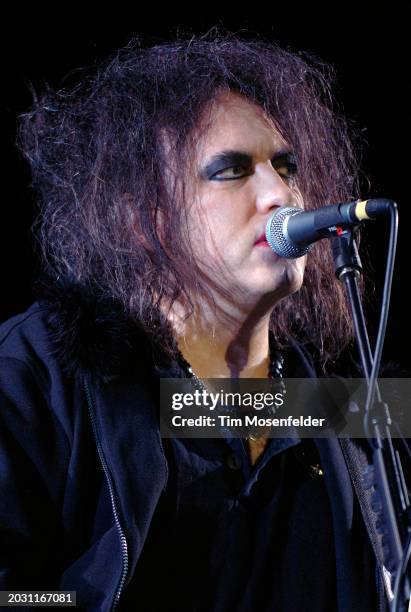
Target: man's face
[243,172]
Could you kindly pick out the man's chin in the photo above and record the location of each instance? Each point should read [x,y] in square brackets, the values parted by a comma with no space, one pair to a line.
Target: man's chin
[284,279]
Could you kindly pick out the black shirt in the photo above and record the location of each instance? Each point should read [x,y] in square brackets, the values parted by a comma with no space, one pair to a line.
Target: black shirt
[231,536]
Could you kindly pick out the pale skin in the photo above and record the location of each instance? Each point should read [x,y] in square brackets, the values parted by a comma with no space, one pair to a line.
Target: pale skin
[233,197]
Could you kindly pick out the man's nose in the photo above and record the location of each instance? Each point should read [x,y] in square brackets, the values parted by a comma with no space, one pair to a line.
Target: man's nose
[272,190]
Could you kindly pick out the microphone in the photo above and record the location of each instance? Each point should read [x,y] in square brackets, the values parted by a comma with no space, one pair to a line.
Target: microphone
[291,231]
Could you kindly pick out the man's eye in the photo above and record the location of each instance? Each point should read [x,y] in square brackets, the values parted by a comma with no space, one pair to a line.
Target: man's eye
[286,170]
[228,174]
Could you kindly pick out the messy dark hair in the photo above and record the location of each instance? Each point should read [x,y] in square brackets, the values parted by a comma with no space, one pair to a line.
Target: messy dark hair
[98,155]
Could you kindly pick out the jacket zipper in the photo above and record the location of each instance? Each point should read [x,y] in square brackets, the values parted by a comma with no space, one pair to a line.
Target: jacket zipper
[123,541]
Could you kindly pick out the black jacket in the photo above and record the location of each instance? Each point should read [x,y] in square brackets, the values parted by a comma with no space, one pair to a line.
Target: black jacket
[80,443]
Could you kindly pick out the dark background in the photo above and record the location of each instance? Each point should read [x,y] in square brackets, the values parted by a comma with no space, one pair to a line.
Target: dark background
[367,46]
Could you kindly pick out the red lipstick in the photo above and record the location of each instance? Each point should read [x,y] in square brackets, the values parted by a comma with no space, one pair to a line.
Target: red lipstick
[261,241]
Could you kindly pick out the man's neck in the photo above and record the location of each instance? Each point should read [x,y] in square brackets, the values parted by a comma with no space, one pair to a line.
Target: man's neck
[227,353]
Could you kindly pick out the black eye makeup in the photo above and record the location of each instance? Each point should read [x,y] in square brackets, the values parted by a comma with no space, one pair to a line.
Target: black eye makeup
[235,161]
[285,164]
[231,165]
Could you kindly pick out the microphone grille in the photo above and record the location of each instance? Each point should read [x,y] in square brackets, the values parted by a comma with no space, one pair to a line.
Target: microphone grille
[277,236]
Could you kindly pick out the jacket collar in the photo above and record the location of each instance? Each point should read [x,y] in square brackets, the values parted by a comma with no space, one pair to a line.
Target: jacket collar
[92,332]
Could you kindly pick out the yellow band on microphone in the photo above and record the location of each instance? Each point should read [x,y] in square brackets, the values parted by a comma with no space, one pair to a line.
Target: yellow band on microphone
[360,211]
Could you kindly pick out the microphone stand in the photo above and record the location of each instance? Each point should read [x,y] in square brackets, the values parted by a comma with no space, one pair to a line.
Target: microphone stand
[386,461]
